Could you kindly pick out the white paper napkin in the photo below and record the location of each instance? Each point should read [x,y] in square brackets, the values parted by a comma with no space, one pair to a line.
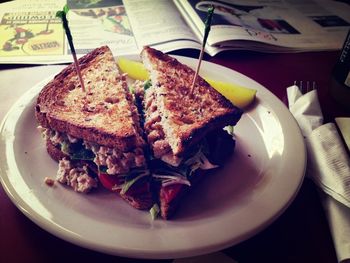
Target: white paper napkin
[305,109]
[338,216]
[328,164]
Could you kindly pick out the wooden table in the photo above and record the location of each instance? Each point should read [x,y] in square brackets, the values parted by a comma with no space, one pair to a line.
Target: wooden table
[300,234]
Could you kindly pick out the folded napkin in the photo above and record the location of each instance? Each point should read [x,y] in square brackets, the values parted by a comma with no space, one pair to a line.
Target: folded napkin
[328,164]
[305,109]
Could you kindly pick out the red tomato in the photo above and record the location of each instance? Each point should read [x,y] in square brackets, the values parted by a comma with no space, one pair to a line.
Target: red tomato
[109,181]
[169,192]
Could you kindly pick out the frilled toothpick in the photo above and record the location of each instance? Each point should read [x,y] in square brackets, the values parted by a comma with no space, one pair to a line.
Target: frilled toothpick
[207,24]
[63,16]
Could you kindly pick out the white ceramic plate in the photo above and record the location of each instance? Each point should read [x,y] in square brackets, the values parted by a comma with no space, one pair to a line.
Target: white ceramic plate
[227,207]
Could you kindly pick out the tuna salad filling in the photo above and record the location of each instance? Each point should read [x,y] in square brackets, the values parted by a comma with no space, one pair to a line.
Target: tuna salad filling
[79,178]
[126,167]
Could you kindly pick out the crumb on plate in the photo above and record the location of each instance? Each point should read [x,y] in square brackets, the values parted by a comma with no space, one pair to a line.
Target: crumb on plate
[49,181]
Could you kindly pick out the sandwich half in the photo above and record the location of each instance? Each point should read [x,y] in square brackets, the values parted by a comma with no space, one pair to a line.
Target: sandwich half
[95,135]
[184,127]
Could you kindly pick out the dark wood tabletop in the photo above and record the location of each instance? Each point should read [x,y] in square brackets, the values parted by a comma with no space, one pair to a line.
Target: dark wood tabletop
[300,234]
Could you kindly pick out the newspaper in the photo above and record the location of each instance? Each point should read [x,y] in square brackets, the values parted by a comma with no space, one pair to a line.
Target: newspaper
[31,33]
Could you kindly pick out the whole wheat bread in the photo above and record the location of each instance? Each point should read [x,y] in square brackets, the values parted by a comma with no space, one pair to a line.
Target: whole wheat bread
[185,116]
[104,114]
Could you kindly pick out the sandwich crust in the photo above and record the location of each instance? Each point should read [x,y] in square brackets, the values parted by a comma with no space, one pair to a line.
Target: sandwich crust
[104,114]
[185,117]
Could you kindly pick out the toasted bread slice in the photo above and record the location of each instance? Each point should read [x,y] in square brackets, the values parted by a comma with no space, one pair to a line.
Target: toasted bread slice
[104,114]
[184,116]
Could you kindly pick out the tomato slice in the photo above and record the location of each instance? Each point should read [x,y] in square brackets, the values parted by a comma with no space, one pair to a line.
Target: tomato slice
[168,193]
[109,181]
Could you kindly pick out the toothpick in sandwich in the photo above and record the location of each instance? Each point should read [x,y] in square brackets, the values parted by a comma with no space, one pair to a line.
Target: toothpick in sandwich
[63,16]
[207,24]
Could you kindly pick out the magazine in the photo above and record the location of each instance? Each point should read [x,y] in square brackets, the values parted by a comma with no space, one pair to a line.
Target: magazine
[31,33]
[270,25]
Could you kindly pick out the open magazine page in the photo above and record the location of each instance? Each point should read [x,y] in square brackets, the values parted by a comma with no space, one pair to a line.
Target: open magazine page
[271,25]
[159,24]
[97,23]
[30,32]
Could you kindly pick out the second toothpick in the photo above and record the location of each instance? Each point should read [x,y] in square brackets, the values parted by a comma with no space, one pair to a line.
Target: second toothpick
[207,25]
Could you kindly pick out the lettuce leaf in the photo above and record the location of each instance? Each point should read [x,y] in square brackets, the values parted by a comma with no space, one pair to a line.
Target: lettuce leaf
[147,84]
[77,151]
[154,211]
[83,154]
